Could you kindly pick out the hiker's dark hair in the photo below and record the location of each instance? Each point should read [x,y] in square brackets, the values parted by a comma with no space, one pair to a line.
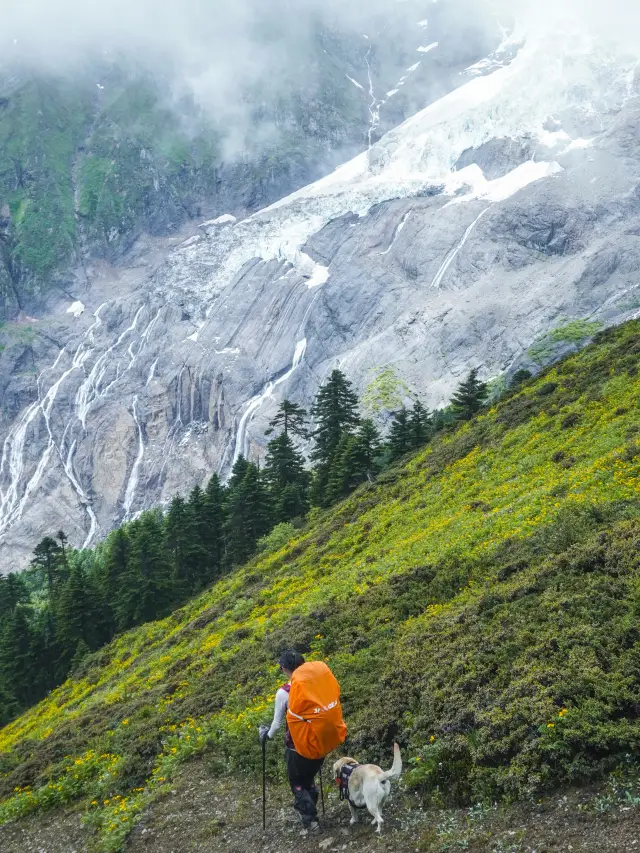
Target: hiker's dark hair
[290,660]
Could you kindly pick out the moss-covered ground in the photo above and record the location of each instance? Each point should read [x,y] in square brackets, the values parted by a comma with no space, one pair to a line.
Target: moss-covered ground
[479,603]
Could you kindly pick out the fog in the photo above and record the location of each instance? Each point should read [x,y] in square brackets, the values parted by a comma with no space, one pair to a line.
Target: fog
[219,51]
[245,36]
[248,33]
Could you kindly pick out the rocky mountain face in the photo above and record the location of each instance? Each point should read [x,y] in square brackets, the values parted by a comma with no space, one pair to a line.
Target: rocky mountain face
[92,158]
[507,206]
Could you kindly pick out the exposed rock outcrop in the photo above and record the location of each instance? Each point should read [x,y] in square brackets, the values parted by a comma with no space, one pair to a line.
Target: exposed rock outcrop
[396,258]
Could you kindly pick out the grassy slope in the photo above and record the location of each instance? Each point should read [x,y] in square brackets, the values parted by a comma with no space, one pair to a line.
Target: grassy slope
[481,604]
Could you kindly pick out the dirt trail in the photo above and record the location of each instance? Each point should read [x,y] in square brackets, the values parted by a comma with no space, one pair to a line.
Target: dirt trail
[204,814]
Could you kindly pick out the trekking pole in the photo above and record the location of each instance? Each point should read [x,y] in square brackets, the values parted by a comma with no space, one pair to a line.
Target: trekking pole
[321,792]
[264,784]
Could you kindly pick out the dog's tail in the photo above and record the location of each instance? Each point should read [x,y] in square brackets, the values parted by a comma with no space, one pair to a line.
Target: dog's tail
[396,768]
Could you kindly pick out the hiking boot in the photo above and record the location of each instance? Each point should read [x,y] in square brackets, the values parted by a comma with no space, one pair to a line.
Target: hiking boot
[310,829]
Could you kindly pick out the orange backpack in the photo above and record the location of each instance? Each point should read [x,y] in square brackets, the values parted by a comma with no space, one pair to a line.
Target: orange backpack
[314,715]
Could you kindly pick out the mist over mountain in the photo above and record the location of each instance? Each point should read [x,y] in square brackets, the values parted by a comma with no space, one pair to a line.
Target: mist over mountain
[203,213]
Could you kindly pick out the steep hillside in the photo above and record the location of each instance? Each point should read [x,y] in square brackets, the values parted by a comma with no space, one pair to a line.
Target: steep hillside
[480,604]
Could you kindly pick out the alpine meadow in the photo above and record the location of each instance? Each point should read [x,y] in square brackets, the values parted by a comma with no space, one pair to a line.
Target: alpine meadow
[478,602]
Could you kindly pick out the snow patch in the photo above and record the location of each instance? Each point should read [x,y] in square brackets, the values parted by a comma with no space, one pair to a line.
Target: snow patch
[502,188]
[577,145]
[429,47]
[76,308]
[225,219]
[552,138]
[319,275]
[355,82]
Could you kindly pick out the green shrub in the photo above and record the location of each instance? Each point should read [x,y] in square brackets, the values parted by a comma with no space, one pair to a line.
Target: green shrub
[485,594]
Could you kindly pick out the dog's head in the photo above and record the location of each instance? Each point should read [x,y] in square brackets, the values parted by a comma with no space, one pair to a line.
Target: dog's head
[340,764]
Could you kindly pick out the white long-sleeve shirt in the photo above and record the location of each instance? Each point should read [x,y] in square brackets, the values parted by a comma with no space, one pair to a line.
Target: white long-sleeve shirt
[282,702]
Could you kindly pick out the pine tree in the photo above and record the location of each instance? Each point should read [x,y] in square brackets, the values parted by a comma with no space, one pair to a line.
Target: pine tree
[196,521]
[113,578]
[81,652]
[13,591]
[420,425]
[47,559]
[62,538]
[247,514]
[291,418]
[213,521]
[355,461]
[343,471]
[16,658]
[73,615]
[179,540]
[287,479]
[520,376]
[335,411]
[259,510]
[125,603]
[336,416]
[367,450]
[148,582]
[9,704]
[12,594]
[400,434]
[469,397]
[441,419]
[49,670]
[236,549]
[237,473]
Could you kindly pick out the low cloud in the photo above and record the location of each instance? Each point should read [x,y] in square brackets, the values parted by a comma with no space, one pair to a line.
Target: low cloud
[227,54]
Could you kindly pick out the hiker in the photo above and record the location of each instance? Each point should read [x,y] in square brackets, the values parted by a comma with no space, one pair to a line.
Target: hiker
[309,705]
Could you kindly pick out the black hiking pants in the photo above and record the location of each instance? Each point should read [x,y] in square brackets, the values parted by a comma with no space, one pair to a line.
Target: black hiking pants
[301,772]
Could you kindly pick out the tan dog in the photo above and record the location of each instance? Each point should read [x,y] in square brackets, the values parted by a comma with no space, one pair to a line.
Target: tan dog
[368,785]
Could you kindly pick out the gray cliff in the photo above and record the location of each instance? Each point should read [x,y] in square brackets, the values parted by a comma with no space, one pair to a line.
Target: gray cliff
[457,240]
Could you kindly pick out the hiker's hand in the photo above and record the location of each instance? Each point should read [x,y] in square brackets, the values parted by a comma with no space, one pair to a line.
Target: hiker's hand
[263,733]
